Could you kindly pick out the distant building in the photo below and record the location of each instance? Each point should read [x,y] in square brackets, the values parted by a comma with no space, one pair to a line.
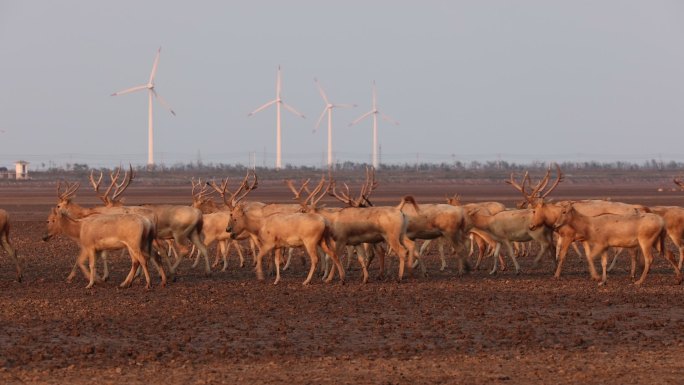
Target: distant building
[21,168]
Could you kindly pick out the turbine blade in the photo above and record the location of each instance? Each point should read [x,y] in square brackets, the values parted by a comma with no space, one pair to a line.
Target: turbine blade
[154,66]
[362,117]
[129,90]
[375,97]
[261,108]
[320,90]
[320,119]
[291,109]
[278,84]
[162,101]
[387,118]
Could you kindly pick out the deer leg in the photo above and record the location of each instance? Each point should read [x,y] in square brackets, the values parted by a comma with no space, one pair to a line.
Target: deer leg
[648,259]
[258,268]
[240,252]
[670,257]
[224,247]
[336,261]
[615,257]
[75,268]
[289,259]
[576,248]
[313,255]
[196,239]
[561,253]
[91,263]
[13,254]
[138,256]
[131,274]
[401,254]
[278,257]
[591,255]
[604,264]
[362,258]
[512,255]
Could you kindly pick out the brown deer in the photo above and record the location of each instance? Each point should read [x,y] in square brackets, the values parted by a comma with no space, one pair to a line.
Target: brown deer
[4,240]
[611,230]
[280,230]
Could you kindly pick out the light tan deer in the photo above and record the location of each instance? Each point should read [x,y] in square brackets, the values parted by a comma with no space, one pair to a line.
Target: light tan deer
[215,220]
[278,230]
[361,222]
[230,199]
[4,240]
[98,233]
[512,226]
[173,222]
[483,241]
[610,230]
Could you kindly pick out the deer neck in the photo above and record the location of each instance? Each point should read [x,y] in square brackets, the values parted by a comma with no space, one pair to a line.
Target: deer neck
[70,227]
[551,214]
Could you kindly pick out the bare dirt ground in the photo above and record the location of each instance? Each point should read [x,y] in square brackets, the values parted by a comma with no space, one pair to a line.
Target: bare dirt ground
[229,328]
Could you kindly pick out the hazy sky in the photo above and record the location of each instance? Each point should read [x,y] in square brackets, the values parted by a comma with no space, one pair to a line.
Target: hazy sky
[566,80]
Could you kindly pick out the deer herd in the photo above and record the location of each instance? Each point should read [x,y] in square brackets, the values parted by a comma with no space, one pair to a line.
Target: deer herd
[165,235]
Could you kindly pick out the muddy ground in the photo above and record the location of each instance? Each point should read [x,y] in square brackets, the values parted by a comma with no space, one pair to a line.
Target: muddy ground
[229,328]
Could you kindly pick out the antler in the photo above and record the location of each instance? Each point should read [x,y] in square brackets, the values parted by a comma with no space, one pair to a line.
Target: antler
[454,200]
[368,187]
[678,182]
[244,189]
[96,185]
[221,190]
[298,193]
[559,178]
[341,196]
[198,196]
[68,191]
[232,199]
[121,187]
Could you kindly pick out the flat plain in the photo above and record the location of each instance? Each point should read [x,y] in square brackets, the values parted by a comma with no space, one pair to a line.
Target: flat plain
[229,328]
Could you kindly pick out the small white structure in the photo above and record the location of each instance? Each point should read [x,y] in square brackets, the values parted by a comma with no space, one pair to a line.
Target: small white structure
[21,168]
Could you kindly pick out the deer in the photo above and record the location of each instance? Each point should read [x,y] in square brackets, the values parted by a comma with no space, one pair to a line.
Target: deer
[674,223]
[215,220]
[98,233]
[483,240]
[512,226]
[361,222]
[264,208]
[279,230]
[643,230]
[547,214]
[6,245]
[173,222]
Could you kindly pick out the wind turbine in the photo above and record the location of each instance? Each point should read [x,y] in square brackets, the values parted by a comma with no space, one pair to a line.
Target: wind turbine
[375,112]
[328,108]
[150,92]
[278,101]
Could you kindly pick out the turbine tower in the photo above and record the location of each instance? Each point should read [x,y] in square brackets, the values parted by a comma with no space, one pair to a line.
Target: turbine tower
[150,92]
[375,112]
[328,108]
[278,101]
